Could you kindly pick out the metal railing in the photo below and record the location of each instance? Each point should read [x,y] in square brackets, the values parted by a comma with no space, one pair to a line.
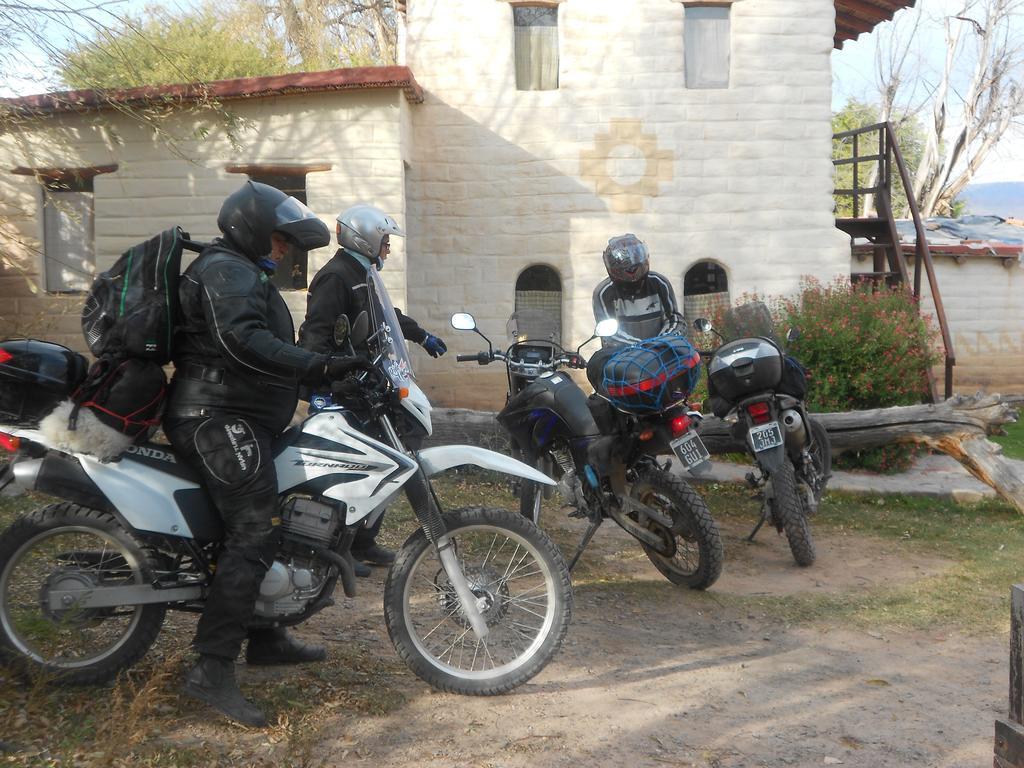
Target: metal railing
[881,141]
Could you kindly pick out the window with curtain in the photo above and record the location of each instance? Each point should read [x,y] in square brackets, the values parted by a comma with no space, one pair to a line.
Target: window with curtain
[539,290]
[69,246]
[706,44]
[536,47]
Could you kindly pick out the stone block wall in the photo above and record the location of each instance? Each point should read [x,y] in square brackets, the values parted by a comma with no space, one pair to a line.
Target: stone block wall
[981,297]
[501,179]
[158,184]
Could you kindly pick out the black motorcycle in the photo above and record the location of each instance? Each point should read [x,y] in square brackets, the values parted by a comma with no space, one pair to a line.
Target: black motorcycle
[603,448]
[752,380]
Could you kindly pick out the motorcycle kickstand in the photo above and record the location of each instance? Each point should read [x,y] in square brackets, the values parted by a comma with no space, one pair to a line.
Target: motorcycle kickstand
[757,528]
[587,536]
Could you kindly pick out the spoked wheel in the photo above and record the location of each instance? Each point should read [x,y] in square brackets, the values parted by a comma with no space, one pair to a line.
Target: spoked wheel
[61,548]
[790,516]
[522,588]
[691,553]
[821,457]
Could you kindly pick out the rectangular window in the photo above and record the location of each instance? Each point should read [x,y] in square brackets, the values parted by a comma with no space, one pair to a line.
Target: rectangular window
[291,273]
[706,41]
[536,50]
[69,248]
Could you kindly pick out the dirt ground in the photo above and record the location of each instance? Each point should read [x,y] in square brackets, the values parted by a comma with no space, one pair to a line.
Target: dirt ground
[654,675]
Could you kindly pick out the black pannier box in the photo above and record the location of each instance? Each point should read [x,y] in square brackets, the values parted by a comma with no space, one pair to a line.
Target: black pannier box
[651,375]
[745,367]
[34,377]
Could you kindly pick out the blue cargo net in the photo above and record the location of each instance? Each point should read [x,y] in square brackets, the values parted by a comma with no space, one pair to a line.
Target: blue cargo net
[652,374]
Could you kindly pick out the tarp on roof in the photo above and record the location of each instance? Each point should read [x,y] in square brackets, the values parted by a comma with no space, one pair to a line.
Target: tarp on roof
[942,230]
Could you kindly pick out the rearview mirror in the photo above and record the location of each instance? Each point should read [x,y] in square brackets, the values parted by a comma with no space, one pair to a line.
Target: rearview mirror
[702,324]
[463,321]
[607,327]
[341,330]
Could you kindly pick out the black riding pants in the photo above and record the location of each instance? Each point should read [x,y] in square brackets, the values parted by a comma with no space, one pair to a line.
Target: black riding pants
[233,455]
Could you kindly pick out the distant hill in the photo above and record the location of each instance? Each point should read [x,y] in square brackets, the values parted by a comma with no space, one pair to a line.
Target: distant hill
[1005,198]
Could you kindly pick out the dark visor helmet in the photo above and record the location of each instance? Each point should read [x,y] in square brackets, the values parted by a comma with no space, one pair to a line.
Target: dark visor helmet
[251,214]
[626,259]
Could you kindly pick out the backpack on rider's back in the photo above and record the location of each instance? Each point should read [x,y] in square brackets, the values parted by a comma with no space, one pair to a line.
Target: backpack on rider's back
[128,321]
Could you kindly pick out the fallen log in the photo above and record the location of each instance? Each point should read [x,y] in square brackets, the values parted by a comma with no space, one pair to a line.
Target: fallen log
[962,417]
[958,427]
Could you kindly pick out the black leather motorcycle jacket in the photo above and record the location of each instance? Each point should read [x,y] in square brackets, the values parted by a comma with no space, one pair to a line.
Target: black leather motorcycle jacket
[339,288]
[234,350]
[644,310]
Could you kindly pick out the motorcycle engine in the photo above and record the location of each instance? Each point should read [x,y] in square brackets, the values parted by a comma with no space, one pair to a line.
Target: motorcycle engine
[296,577]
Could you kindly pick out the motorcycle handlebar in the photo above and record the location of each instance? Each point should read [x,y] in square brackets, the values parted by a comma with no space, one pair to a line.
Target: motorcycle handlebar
[482,358]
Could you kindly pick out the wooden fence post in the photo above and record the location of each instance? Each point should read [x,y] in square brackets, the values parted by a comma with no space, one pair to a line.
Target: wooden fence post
[1009,741]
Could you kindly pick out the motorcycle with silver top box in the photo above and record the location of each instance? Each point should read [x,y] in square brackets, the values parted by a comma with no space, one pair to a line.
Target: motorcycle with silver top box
[752,382]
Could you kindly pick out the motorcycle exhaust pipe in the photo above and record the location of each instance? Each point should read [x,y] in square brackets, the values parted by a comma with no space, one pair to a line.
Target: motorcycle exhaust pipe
[796,432]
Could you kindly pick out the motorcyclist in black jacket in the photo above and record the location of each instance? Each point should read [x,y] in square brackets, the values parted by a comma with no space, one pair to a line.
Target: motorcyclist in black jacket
[340,288]
[235,387]
[642,301]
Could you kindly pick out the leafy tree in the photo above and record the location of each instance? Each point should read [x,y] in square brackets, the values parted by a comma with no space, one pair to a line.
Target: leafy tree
[211,42]
[959,64]
[910,136]
[224,39]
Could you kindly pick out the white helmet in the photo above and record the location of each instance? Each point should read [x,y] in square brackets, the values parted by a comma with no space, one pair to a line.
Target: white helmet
[362,229]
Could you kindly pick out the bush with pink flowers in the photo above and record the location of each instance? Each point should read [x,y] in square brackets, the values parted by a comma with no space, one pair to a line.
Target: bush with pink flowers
[863,346]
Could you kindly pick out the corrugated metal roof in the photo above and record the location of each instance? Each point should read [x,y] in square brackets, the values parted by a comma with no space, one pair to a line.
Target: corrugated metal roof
[854,17]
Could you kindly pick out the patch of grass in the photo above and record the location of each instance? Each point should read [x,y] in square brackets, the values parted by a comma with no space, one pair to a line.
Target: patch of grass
[983,543]
[1013,440]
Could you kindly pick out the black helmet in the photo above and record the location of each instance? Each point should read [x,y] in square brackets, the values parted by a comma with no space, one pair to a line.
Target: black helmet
[249,215]
[626,259]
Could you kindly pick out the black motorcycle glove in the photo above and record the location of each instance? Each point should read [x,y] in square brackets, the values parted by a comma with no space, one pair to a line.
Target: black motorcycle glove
[337,367]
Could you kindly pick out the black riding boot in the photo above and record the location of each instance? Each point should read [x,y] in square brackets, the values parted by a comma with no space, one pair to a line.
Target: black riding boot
[212,680]
[273,645]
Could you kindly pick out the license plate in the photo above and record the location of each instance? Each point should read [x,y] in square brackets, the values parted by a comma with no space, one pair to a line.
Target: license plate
[690,450]
[766,436]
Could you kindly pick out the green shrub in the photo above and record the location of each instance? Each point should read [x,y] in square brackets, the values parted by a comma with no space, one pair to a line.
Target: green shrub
[863,347]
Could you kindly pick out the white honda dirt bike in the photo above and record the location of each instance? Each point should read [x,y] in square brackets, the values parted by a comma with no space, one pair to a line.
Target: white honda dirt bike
[477,601]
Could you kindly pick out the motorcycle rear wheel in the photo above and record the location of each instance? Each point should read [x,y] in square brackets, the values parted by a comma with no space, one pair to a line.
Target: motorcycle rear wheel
[697,558]
[790,516]
[66,546]
[821,456]
[521,582]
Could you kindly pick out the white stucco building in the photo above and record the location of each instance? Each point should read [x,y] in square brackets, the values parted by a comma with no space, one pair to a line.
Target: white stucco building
[513,142]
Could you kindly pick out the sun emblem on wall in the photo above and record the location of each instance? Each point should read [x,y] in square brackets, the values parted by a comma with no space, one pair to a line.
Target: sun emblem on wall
[625,165]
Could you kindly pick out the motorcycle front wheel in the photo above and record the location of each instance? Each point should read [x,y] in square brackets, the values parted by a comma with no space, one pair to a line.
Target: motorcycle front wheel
[69,547]
[523,591]
[790,516]
[692,553]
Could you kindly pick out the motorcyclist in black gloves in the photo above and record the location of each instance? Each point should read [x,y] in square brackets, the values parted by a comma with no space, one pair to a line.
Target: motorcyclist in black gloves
[339,288]
[642,301]
[235,387]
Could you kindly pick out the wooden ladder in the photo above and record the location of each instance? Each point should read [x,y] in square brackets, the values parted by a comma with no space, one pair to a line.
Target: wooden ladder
[875,147]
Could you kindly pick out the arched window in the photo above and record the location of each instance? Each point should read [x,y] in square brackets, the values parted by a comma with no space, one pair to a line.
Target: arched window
[705,291]
[540,287]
